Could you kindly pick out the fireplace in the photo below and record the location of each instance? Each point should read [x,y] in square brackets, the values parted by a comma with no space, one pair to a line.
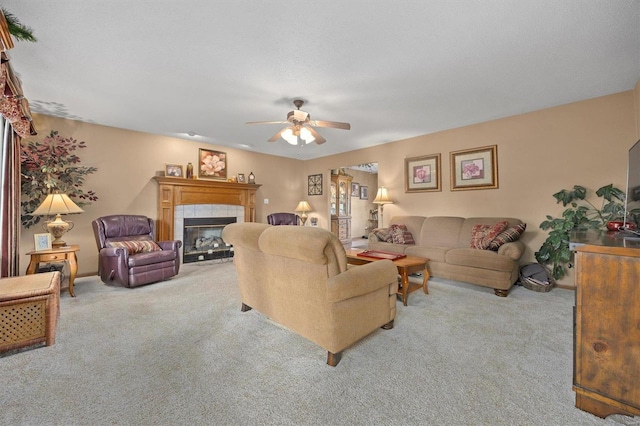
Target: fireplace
[203,239]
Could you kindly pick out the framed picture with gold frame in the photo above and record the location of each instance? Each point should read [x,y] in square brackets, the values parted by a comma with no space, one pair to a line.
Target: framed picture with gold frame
[422,174]
[212,164]
[475,168]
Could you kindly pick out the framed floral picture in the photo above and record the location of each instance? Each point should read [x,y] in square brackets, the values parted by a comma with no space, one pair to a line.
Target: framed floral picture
[475,168]
[212,164]
[422,174]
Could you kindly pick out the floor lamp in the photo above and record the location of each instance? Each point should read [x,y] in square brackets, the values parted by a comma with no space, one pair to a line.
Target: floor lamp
[382,198]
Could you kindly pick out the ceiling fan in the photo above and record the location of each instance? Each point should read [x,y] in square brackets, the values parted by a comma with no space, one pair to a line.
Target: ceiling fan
[302,126]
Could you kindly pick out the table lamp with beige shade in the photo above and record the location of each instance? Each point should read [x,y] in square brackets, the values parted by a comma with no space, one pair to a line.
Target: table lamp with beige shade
[303,207]
[57,204]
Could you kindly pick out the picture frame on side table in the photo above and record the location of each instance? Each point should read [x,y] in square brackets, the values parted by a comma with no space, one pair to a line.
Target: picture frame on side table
[212,164]
[241,178]
[355,189]
[173,170]
[475,168]
[422,174]
[42,241]
[364,192]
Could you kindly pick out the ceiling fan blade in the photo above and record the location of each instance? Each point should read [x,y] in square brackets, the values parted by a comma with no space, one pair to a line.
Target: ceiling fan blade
[318,139]
[276,136]
[332,124]
[267,122]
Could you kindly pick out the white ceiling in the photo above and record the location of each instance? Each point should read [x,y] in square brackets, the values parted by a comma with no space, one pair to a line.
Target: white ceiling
[393,69]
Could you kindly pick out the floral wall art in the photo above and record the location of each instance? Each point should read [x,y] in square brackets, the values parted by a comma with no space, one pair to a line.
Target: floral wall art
[475,168]
[213,164]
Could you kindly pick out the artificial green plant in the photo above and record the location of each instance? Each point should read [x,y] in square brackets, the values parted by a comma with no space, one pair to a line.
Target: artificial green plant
[581,214]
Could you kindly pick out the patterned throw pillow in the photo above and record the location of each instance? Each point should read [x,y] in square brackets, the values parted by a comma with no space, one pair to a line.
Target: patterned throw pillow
[383,234]
[507,236]
[400,235]
[482,235]
[135,247]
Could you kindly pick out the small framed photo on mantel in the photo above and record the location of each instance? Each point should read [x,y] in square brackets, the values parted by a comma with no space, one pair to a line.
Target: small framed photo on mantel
[173,170]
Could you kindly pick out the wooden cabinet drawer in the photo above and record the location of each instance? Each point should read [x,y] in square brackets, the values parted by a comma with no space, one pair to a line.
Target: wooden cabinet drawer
[51,257]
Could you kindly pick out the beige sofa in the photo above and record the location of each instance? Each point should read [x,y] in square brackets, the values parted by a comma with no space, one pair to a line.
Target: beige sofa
[445,241]
[298,277]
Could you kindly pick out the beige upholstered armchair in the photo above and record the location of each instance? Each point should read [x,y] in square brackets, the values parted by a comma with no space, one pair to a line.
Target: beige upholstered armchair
[298,277]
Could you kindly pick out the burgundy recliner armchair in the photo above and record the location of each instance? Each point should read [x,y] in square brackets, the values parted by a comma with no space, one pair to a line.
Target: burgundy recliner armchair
[283,219]
[129,256]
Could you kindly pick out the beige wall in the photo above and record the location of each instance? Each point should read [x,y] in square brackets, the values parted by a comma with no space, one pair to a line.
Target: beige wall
[636,98]
[127,161]
[539,153]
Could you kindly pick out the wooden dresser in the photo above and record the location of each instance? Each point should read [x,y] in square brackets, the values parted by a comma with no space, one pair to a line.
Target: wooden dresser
[606,376]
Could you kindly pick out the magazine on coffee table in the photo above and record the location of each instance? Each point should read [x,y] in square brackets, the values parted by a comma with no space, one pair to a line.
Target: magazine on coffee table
[378,254]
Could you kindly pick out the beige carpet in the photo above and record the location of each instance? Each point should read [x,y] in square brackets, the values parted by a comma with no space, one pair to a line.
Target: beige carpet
[181,352]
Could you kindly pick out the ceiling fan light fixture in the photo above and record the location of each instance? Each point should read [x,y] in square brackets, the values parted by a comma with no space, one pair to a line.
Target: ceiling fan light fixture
[288,136]
[306,135]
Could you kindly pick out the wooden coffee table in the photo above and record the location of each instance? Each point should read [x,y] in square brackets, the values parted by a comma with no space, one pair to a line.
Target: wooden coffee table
[406,265]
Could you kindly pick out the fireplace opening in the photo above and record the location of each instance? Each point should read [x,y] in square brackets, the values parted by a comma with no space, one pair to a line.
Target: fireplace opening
[203,239]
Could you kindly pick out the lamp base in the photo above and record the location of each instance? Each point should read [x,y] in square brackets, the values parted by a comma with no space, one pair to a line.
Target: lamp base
[58,228]
[303,219]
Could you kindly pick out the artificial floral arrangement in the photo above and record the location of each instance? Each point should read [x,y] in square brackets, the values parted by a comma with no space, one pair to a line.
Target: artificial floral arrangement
[48,166]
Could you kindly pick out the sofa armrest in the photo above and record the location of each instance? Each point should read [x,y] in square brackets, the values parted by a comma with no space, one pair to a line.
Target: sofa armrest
[362,280]
[373,237]
[514,249]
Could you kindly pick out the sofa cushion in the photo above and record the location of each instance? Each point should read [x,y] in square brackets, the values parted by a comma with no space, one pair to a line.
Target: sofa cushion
[464,237]
[400,235]
[434,254]
[507,236]
[482,235]
[413,224]
[482,259]
[383,234]
[135,246]
[440,231]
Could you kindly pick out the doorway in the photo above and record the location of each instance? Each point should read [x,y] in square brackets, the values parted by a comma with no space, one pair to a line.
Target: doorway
[364,186]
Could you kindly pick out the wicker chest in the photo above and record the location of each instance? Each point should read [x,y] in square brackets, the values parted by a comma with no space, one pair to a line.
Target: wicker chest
[29,310]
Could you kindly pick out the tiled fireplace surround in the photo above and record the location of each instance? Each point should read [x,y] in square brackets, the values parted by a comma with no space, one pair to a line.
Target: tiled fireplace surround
[193,211]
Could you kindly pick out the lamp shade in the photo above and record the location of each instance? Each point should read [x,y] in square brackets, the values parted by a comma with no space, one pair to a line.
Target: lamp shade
[303,206]
[382,197]
[57,204]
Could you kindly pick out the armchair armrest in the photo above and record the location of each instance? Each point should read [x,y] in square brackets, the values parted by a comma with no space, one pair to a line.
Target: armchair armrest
[362,280]
[170,245]
[373,237]
[514,249]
